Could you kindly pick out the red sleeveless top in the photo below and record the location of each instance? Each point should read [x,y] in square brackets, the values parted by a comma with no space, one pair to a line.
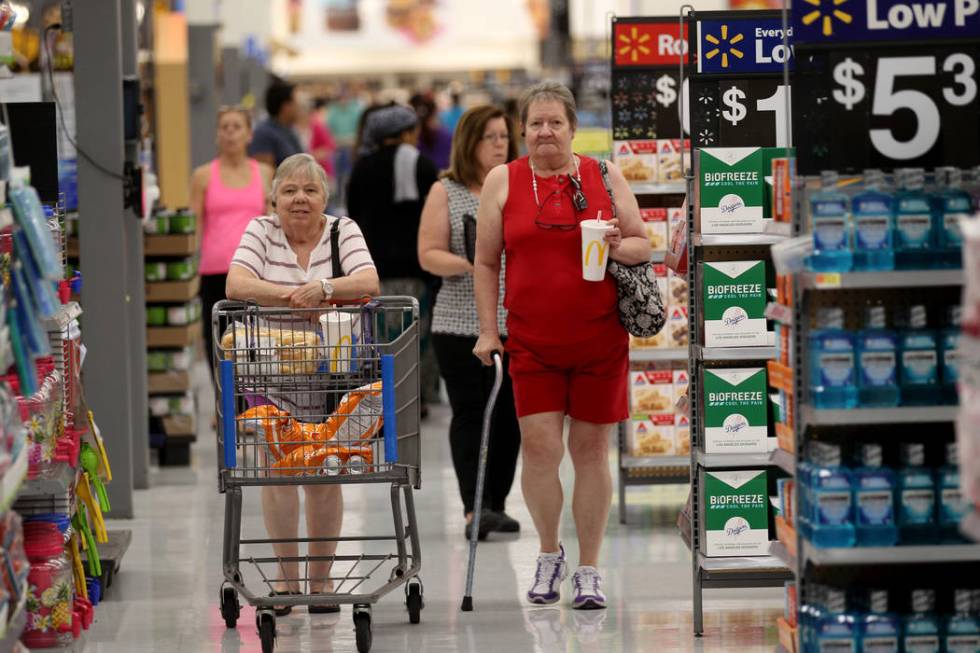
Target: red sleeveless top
[547,300]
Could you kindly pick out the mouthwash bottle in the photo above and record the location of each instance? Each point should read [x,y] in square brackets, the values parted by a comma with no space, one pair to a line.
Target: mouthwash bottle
[915,223]
[804,481]
[881,629]
[916,498]
[811,614]
[877,361]
[874,500]
[919,369]
[873,212]
[832,496]
[952,506]
[838,628]
[952,204]
[831,224]
[832,372]
[950,348]
[921,628]
[962,631]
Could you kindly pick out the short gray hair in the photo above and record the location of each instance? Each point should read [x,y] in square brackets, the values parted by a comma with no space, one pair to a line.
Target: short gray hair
[549,90]
[300,164]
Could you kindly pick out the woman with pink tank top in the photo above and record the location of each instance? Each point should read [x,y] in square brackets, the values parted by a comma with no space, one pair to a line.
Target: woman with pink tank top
[226,193]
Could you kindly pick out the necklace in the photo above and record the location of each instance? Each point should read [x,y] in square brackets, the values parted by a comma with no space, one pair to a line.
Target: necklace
[534,178]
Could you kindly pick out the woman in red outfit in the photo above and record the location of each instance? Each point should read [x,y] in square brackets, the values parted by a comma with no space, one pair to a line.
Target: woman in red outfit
[568,350]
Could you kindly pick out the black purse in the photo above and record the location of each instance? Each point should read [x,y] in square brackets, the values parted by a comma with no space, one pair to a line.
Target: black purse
[641,309]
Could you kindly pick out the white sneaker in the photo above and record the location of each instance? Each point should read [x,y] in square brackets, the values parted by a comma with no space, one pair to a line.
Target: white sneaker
[588,589]
[551,571]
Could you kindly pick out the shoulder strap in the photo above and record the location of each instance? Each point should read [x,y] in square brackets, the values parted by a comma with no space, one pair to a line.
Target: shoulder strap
[336,270]
[604,169]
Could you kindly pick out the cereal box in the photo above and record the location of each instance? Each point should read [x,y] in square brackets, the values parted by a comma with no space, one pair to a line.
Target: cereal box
[652,435]
[637,160]
[651,391]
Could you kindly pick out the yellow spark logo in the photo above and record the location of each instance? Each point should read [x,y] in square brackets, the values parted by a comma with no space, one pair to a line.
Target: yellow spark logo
[731,50]
[634,44]
[827,20]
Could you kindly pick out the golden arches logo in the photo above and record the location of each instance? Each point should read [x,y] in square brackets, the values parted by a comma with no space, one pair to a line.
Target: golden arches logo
[344,341]
[634,44]
[724,41]
[827,19]
[600,248]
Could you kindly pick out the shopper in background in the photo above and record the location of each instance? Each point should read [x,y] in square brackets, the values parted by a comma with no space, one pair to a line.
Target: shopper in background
[342,120]
[226,194]
[275,138]
[435,141]
[387,189]
[481,142]
[315,136]
[451,115]
[568,349]
[284,259]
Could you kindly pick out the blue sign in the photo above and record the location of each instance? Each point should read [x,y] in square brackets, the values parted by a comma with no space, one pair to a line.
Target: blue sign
[849,21]
[747,45]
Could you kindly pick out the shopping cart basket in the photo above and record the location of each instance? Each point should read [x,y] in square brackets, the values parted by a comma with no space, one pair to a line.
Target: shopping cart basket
[314,397]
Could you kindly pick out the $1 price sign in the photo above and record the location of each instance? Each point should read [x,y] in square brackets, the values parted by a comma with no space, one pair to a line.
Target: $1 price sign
[740,113]
[890,107]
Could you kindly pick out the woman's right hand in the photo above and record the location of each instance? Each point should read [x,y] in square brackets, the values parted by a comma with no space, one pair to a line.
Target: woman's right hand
[486,344]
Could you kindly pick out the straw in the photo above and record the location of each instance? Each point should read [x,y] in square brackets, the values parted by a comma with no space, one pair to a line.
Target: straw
[598,216]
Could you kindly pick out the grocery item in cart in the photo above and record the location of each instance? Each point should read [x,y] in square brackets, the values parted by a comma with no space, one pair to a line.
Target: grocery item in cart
[326,460]
[259,350]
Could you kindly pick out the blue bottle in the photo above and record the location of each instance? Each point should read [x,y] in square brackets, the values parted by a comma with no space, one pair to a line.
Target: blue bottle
[877,361]
[915,222]
[951,506]
[920,633]
[833,502]
[830,221]
[838,628]
[952,204]
[881,629]
[804,473]
[962,628]
[833,376]
[874,500]
[919,369]
[873,212]
[916,498]
[811,613]
[949,363]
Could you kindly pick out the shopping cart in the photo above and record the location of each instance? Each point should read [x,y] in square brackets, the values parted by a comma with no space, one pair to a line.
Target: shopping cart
[317,397]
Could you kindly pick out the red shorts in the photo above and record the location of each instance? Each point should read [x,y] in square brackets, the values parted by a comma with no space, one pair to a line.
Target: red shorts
[587,381]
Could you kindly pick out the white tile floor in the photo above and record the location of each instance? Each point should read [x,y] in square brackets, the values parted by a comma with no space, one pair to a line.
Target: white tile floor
[165,597]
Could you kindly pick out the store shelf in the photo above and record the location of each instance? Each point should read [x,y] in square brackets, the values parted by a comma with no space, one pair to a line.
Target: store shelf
[779,551]
[890,279]
[180,426]
[56,484]
[13,479]
[173,291]
[891,555]
[859,416]
[784,460]
[652,355]
[670,188]
[173,336]
[734,353]
[173,382]
[66,313]
[749,571]
[736,240]
[169,245]
[733,460]
[656,462]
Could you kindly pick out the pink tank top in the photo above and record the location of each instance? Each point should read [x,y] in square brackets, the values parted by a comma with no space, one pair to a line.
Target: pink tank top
[227,211]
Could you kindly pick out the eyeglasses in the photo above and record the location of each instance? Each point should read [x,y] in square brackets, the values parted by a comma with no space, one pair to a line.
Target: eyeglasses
[579,203]
[493,138]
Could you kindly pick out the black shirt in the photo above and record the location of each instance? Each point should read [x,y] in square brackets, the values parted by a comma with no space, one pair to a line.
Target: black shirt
[391,229]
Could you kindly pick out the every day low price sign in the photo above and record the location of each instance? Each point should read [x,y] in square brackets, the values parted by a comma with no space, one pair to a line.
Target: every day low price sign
[743,45]
[850,21]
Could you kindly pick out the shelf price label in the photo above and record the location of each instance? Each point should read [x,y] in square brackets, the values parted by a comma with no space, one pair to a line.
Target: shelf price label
[741,113]
[886,108]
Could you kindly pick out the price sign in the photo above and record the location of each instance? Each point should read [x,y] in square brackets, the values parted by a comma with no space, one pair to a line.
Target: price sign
[887,107]
[852,21]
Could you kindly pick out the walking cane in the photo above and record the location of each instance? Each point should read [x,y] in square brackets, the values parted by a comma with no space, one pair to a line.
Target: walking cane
[480,478]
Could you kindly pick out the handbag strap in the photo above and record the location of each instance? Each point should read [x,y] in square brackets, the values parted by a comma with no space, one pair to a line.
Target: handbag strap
[604,169]
[335,270]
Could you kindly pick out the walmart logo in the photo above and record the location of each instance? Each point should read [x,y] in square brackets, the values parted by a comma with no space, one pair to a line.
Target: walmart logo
[826,17]
[635,44]
[725,46]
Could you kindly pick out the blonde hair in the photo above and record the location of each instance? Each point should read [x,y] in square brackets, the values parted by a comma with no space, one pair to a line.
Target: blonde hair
[242,111]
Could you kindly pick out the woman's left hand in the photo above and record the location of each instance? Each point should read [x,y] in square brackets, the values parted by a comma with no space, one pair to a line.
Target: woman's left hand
[614,236]
[309,295]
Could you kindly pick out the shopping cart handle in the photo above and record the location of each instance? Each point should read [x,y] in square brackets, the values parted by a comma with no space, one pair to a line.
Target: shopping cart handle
[357,301]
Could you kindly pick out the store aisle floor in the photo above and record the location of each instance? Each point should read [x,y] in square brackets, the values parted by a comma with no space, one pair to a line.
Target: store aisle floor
[165,596]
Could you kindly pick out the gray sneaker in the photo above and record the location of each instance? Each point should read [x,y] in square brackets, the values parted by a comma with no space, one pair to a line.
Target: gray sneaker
[588,589]
[551,571]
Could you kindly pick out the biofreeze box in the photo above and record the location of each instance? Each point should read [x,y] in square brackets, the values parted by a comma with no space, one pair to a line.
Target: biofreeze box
[736,416]
[732,190]
[734,297]
[736,513]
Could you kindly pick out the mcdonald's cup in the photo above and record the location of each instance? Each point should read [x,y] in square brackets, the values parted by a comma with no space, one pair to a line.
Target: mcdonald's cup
[338,337]
[595,249]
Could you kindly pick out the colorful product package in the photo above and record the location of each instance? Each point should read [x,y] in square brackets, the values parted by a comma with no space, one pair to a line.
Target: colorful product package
[736,415]
[655,223]
[734,299]
[732,190]
[736,513]
[637,160]
[651,391]
[652,435]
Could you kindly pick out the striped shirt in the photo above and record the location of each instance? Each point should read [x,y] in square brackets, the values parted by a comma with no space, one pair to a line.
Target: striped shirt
[264,251]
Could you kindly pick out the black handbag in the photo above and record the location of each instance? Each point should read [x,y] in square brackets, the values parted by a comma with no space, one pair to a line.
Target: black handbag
[641,308]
